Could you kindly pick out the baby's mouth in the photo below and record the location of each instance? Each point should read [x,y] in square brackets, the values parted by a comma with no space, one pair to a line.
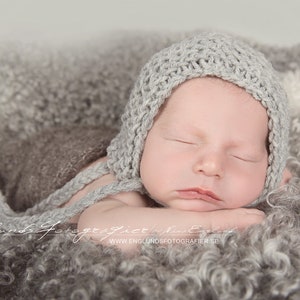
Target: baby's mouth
[198,194]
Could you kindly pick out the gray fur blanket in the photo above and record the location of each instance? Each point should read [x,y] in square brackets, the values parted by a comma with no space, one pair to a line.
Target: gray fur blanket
[59,108]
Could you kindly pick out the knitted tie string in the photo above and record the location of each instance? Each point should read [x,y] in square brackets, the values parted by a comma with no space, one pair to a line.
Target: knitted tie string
[36,222]
[65,193]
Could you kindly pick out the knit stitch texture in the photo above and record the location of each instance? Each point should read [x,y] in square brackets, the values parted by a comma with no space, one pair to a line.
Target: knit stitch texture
[209,54]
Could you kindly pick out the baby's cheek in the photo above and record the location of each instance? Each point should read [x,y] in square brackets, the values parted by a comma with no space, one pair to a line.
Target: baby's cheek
[246,188]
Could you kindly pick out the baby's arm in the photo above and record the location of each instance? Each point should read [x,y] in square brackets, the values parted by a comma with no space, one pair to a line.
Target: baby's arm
[113,219]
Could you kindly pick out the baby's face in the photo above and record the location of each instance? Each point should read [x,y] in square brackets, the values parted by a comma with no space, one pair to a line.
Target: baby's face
[207,148]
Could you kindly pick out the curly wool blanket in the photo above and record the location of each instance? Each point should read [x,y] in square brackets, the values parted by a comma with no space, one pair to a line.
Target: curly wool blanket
[59,108]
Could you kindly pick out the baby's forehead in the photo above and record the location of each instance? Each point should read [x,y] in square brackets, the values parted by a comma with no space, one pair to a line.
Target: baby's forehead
[209,82]
[211,101]
[201,85]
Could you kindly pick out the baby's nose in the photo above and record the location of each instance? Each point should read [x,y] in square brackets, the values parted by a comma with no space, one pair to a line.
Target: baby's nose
[209,164]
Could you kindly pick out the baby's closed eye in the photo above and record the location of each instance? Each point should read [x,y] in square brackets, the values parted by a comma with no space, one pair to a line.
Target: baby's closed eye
[182,141]
[245,157]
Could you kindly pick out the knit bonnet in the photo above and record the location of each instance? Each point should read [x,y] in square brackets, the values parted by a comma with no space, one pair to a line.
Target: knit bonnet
[206,54]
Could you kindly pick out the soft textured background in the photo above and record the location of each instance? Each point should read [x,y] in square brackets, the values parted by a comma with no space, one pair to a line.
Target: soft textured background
[39,88]
[271,21]
[263,263]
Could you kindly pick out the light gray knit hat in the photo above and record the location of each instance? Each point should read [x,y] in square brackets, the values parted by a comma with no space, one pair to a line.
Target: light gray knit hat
[207,54]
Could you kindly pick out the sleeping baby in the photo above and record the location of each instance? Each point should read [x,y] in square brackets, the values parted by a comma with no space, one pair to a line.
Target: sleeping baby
[200,129]
[203,141]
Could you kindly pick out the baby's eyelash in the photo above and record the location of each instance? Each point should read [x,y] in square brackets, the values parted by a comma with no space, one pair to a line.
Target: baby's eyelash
[182,141]
[245,159]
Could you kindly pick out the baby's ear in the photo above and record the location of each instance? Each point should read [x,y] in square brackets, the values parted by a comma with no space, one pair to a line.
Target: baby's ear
[286,176]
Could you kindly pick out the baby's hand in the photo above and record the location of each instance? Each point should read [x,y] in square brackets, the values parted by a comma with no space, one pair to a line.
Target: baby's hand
[238,218]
